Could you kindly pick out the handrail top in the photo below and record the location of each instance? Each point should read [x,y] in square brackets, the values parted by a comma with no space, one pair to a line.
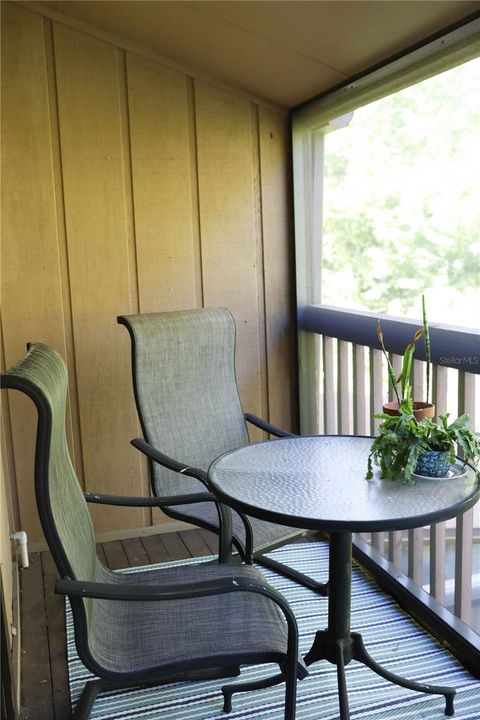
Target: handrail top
[451,346]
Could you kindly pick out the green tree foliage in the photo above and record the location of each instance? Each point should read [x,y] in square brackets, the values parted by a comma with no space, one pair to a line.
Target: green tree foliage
[401,197]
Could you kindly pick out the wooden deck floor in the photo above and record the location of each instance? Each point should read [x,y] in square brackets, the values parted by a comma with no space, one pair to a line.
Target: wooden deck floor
[44,665]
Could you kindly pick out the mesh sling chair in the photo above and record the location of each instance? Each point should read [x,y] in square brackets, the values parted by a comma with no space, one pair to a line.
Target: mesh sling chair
[156,625]
[189,408]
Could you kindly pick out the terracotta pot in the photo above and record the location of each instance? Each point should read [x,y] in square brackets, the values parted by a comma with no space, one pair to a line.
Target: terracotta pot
[420,409]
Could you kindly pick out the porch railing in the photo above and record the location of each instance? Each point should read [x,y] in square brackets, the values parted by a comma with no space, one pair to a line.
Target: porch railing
[343,383]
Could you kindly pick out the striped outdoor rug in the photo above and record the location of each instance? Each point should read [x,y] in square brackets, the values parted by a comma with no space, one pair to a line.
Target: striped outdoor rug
[390,635]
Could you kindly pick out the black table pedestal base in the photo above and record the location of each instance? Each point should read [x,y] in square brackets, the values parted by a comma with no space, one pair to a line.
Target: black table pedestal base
[340,651]
[339,645]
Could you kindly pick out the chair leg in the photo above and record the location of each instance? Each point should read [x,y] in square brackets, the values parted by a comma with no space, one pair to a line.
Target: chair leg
[290,696]
[318,587]
[93,687]
[229,690]
[88,697]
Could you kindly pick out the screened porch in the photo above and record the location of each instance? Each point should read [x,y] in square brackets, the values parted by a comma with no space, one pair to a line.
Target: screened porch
[171,156]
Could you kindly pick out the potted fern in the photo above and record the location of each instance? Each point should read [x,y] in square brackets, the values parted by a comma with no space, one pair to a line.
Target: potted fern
[409,442]
[406,446]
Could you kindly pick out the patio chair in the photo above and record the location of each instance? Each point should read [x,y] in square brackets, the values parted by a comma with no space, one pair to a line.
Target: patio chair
[150,626]
[190,412]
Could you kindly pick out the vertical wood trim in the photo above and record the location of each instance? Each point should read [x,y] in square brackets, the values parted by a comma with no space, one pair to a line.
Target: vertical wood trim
[278,260]
[260,264]
[308,151]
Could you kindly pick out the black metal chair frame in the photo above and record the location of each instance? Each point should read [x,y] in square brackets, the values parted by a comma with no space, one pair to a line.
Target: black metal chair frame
[77,590]
[224,527]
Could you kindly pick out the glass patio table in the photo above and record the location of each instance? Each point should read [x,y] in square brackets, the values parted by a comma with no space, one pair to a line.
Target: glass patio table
[318,483]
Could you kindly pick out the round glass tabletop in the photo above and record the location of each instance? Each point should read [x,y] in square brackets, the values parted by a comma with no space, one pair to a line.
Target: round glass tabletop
[319,483]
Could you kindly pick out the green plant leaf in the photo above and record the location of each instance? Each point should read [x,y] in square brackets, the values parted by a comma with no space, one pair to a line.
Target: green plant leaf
[407,364]
[401,440]
[391,373]
[426,334]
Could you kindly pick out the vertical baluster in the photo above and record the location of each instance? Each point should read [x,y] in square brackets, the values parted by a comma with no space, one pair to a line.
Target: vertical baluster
[464,527]
[329,386]
[438,531]
[376,388]
[344,426]
[359,394]
[415,536]
[376,403]
[360,426]
[309,382]
[395,536]
[320,424]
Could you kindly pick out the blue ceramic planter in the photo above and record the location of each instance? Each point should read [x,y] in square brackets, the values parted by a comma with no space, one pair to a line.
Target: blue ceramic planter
[433,463]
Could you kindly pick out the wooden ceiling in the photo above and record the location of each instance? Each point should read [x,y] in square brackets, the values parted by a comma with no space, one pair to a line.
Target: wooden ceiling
[283,51]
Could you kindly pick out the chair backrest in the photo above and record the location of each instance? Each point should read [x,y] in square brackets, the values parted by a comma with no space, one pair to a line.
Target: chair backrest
[183,366]
[42,375]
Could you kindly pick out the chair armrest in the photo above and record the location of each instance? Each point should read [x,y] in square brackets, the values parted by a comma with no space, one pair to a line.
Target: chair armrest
[168,462]
[267,427]
[219,586]
[148,501]
[224,513]
[143,593]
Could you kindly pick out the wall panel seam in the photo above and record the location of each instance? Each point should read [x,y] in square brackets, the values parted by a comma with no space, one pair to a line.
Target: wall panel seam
[195,185]
[129,199]
[260,270]
[57,169]
[129,186]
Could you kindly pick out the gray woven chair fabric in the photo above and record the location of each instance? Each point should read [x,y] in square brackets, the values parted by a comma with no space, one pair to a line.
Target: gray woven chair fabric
[189,407]
[124,637]
[133,636]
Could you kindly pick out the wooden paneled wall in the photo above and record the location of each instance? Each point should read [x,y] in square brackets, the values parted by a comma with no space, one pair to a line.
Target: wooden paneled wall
[131,186]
